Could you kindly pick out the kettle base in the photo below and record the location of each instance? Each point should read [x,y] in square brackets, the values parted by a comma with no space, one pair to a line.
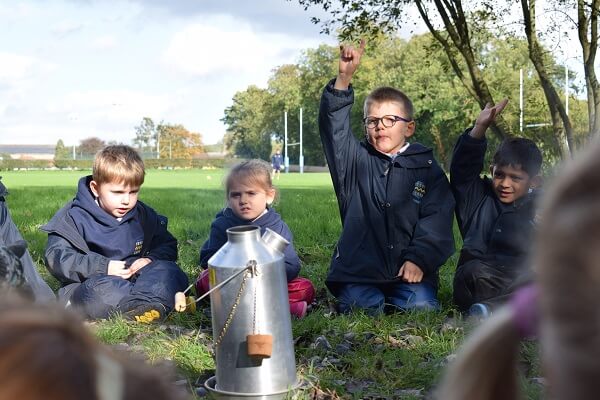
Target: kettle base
[211,384]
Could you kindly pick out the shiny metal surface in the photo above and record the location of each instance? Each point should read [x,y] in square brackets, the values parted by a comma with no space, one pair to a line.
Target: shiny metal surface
[263,308]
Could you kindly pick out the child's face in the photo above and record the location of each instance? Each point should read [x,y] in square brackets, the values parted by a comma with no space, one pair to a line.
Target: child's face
[249,201]
[117,199]
[389,140]
[511,183]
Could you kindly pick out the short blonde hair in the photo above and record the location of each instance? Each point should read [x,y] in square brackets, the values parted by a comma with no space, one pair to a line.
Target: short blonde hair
[118,163]
[386,94]
[251,171]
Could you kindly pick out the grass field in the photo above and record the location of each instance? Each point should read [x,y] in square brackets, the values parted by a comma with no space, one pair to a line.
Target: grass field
[356,356]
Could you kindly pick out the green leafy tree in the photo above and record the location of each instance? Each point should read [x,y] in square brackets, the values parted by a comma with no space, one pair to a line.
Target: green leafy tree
[248,135]
[145,134]
[457,21]
[90,146]
[61,152]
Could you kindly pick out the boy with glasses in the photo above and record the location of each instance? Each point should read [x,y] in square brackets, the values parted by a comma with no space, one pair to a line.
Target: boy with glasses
[394,199]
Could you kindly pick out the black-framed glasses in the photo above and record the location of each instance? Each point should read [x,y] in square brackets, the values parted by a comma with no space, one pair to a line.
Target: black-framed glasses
[387,121]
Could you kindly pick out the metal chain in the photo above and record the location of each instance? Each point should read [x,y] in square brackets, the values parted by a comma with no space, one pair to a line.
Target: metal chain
[251,271]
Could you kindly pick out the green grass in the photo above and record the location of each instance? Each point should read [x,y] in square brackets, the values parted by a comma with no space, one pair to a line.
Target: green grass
[385,354]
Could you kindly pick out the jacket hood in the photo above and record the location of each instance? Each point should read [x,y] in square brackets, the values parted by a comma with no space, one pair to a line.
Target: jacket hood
[3,190]
[270,218]
[86,201]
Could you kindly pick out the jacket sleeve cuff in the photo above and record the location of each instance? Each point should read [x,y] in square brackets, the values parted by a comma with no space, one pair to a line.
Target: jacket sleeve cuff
[103,265]
[337,92]
[471,140]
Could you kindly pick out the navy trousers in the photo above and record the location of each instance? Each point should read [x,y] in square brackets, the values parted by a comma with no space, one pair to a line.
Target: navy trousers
[398,295]
[479,282]
[101,295]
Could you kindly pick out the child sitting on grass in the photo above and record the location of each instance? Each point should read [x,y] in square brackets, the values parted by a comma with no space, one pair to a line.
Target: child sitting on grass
[9,235]
[496,215]
[111,252]
[250,192]
[566,260]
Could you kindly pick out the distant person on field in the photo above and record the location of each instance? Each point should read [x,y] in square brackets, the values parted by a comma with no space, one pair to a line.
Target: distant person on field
[496,215]
[111,252]
[394,200]
[276,164]
[9,234]
[47,353]
[561,308]
[250,193]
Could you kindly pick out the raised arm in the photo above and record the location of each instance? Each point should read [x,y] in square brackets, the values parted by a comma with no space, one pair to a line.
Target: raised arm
[349,61]
[467,163]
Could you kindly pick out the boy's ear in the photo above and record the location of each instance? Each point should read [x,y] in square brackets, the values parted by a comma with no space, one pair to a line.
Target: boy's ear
[536,182]
[94,187]
[410,129]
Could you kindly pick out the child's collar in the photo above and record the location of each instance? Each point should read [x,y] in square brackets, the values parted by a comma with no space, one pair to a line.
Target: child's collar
[263,213]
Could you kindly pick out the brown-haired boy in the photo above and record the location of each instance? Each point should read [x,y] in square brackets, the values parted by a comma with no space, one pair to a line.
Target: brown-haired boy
[394,200]
[111,252]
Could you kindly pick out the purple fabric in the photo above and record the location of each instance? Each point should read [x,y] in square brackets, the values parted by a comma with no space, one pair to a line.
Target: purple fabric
[524,303]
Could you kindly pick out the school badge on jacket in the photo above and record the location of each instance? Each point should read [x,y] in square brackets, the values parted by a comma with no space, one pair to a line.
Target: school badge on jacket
[418,192]
[138,247]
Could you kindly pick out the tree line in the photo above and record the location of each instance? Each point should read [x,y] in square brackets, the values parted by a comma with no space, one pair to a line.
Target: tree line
[454,23]
[419,67]
[161,141]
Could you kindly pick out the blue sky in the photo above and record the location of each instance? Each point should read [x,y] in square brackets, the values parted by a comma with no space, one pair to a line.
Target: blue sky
[75,69]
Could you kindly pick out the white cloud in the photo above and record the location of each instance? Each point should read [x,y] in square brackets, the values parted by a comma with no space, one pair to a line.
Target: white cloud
[109,115]
[16,10]
[15,66]
[65,28]
[226,45]
[104,42]
[110,106]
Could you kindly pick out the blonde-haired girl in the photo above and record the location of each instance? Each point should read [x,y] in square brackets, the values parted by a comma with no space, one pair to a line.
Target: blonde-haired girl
[250,193]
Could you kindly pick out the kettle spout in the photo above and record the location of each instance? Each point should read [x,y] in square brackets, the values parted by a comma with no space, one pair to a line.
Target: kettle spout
[274,240]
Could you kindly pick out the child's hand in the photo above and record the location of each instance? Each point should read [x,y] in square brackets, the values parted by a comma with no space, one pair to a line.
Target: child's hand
[349,60]
[139,264]
[410,272]
[486,117]
[117,268]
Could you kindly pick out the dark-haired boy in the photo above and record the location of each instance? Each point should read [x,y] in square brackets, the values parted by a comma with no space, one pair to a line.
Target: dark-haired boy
[394,200]
[496,216]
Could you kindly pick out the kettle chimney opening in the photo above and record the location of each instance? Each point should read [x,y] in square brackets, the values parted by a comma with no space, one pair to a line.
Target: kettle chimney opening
[274,240]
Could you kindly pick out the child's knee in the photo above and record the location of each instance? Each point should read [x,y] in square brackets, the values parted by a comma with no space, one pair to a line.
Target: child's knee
[369,298]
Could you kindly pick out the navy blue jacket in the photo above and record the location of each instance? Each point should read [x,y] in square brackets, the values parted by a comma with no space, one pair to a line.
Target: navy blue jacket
[81,237]
[226,219]
[492,231]
[9,234]
[392,210]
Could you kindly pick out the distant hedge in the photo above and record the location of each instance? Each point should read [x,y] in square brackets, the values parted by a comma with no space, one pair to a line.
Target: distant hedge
[151,163]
